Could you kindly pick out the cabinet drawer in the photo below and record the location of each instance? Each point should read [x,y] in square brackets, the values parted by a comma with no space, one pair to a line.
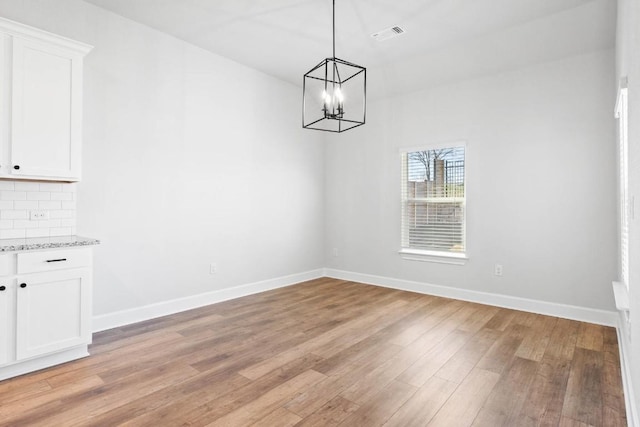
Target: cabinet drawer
[33,262]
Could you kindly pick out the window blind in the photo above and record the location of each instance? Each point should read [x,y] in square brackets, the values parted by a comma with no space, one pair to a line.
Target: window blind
[621,114]
[433,199]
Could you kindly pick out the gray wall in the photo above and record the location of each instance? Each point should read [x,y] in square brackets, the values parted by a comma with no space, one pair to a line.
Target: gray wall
[541,182]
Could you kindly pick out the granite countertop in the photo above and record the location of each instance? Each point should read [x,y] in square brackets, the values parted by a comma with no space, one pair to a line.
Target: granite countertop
[35,243]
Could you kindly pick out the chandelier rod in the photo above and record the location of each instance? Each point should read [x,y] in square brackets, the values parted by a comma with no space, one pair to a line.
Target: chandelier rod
[334,29]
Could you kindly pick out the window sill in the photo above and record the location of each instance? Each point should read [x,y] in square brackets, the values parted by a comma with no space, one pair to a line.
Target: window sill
[434,256]
[621,295]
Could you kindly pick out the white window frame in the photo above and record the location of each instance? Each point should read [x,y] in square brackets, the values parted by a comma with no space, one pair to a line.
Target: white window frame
[415,254]
[621,113]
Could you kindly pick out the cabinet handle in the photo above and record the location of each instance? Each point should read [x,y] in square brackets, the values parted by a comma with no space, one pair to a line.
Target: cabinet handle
[23,285]
[56,260]
[16,167]
[2,288]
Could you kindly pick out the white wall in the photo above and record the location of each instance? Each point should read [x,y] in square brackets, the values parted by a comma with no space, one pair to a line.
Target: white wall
[541,182]
[628,64]
[189,158]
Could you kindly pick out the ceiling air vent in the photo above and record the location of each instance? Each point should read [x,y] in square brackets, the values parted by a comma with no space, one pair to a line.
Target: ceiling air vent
[388,33]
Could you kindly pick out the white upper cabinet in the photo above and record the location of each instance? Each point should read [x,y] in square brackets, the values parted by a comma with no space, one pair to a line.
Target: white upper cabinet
[41,111]
[45,119]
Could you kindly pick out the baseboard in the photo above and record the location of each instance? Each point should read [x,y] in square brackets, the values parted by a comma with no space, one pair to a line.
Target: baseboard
[625,368]
[152,311]
[590,315]
[42,362]
[138,314]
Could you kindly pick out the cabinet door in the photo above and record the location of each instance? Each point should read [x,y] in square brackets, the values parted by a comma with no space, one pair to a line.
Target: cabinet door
[5,103]
[53,312]
[46,110]
[6,314]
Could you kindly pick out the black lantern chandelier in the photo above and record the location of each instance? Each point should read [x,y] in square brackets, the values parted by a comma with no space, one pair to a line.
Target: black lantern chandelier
[334,93]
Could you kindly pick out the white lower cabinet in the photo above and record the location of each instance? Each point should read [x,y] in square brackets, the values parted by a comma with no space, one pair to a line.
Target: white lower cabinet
[45,309]
[52,312]
[6,298]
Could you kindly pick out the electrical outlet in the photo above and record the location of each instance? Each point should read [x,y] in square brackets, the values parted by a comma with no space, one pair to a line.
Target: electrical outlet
[39,215]
[335,252]
[213,268]
[497,269]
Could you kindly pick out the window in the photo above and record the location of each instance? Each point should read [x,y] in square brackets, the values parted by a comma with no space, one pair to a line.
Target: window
[433,201]
[621,115]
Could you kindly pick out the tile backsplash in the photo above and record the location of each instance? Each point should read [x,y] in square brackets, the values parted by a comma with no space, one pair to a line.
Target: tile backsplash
[19,198]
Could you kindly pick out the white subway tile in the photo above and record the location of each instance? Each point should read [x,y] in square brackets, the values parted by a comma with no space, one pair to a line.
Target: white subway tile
[62,196]
[13,195]
[26,186]
[12,234]
[49,205]
[61,231]
[6,224]
[50,186]
[62,214]
[38,232]
[23,204]
[51,223]
[6,185]
[6,204]
[69,205]
[38,195]
[67,223]
[7,214]
[24,223]
[70,188]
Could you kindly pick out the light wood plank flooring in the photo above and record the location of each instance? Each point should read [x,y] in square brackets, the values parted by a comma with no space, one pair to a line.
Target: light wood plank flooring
[329,352]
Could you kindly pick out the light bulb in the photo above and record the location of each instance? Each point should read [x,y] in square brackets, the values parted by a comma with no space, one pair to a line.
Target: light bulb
[326,98]
[333,101]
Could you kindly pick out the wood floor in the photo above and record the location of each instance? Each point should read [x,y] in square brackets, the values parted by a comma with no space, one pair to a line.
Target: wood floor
[329,352]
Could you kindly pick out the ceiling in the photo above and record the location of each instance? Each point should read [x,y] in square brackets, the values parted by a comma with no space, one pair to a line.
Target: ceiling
[445,40]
